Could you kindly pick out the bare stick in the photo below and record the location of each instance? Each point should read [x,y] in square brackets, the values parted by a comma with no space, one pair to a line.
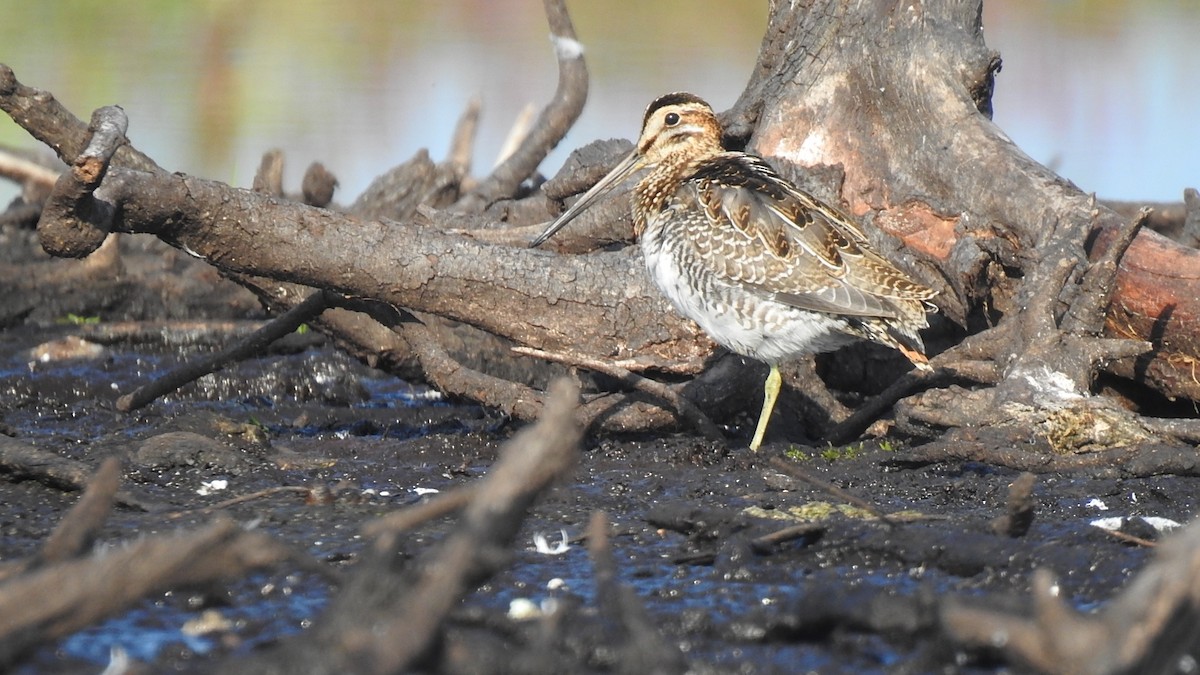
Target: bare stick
[240,499]
[78,528]
[850,428]
[269,177]
[1087,313]
[253,344]
[767,542]
[462,143]
[60,599]
[800,474]
[553,123]
[26,172]
[448,375]
[39,113]
[529,464]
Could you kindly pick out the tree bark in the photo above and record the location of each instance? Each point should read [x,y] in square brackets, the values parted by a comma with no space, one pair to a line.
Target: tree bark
[899,96]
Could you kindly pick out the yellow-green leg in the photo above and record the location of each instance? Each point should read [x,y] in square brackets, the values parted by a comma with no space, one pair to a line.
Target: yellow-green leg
[770,393]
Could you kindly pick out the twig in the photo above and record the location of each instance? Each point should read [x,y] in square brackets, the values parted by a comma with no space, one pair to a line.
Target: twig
[683,407]
[552,124]
[530,463]
[851,427]
[799,474]
[517,133]
[769,541]
[60,599]
[462,143]
[252,344]
[1186,430]
[269,177]
[1087,312]
[79,527]
[241,499]
[447,374]
[1019,508]
[76,530]
[26,172]
[1129,538]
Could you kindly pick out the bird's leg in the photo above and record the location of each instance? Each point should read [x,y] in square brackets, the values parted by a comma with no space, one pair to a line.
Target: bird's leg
[770,393]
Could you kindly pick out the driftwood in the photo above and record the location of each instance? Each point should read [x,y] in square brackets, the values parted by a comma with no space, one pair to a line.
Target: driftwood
[1051,286]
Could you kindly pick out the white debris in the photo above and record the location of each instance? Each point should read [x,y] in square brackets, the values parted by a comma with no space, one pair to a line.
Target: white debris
[210,486]
[566,48]
[1115,523]
[1052,383]
[541,545]
[523,609]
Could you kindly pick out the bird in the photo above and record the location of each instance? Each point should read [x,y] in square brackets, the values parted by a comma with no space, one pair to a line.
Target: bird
[766,269]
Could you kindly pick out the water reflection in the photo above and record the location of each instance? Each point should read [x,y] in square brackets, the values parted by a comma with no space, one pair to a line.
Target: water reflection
[1099,86]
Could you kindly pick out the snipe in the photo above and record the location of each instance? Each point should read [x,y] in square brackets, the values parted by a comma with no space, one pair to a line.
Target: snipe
[766,269]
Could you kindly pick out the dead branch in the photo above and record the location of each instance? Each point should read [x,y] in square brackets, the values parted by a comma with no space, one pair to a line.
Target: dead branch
[80,526]
[981,241]
[683,407]
[790,469]
[35,179]
[547,452]
[1029,451]
[249,346]
[1020,507]
[552,124]
[47,120]
[385,528]
[269,178]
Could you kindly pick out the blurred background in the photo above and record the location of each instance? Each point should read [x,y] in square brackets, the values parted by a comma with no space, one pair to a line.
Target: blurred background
[1105,91]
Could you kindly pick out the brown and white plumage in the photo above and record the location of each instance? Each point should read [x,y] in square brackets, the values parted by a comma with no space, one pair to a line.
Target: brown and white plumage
[766,269]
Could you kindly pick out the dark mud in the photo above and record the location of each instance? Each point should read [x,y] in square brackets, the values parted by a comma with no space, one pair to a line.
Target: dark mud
[852,595]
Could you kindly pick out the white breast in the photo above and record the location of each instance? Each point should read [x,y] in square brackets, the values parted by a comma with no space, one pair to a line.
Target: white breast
[742,321]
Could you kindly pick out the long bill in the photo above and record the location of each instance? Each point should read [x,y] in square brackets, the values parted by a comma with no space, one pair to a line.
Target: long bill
[633,162]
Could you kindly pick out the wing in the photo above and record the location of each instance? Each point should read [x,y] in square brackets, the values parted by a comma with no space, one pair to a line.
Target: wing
[769,236]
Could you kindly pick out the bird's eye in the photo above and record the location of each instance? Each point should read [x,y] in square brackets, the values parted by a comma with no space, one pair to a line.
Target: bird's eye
[671,119]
